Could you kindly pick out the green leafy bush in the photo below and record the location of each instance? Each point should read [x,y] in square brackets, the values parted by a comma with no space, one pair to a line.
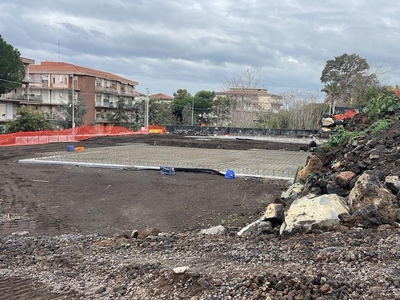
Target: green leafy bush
[341,136]
[28,119]
[383,104]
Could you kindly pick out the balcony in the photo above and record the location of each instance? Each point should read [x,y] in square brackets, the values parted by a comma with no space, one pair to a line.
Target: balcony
[104,104]
[114,91]
[26,80]
[27,99]
[128,93]
[22,97]
[55,86]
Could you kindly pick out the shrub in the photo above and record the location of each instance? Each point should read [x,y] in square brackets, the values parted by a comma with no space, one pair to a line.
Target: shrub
[383,104]
[28,119]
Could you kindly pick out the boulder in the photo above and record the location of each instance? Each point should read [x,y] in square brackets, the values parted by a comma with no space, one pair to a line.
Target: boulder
[180,270]
[371,200]
[274,213]
[337,166]
[327,121]
[292,191]
[333,188]
[393,184]
[368,216]
[322,211]
[314,165]
[265,227]
[213,230]
[344,178]
[325,130]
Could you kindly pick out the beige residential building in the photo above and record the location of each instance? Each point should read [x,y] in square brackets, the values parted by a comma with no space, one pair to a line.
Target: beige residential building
[257,98]
[10,102]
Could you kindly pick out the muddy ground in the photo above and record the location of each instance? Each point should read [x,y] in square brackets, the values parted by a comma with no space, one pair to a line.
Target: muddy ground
[47,199]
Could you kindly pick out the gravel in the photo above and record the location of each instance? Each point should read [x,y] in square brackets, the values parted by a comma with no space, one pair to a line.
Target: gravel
[343,264]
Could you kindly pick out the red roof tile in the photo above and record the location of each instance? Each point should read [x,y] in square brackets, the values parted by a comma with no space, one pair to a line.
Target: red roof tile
[66,68]
[161,96]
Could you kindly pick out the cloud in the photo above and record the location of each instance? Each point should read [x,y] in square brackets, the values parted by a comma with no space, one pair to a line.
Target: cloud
[167,45]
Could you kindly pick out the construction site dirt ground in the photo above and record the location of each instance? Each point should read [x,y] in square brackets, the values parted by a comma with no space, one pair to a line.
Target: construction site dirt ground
[43,199]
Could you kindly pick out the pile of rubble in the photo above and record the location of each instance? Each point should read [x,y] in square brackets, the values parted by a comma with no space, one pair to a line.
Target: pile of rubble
[356,184]
[330,121]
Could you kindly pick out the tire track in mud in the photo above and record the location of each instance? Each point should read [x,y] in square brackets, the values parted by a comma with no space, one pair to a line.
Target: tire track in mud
[15,288]
[21,210]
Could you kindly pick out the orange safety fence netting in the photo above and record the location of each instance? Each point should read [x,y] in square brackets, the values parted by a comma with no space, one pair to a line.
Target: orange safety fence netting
[349,114]
[71,135]
[397,92]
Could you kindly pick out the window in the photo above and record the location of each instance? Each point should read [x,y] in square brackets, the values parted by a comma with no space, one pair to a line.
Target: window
[65,80]
[54,80]
[98,100]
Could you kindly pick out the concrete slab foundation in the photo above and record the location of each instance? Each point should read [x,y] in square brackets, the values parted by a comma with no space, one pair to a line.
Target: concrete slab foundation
[252,163]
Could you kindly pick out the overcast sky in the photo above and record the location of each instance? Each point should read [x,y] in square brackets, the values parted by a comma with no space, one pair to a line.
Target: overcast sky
[197,45]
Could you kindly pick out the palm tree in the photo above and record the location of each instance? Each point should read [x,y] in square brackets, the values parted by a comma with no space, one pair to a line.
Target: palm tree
[332,95]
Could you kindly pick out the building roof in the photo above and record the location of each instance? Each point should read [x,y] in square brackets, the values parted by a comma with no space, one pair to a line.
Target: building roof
[161,96]
[27,61]
[70,69]
[248,92]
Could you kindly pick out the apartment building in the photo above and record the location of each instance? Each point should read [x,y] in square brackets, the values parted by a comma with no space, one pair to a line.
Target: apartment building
[257,98]
[55,82]
[49,84]
[10,102]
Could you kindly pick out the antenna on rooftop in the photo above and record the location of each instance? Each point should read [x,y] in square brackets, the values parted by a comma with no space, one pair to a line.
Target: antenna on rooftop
[58,50]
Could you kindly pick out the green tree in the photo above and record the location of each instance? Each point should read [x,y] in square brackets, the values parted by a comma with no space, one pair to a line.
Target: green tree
[119,117]
[203,102]
[332,95]
[11,67]
[160,112]
[28,119]
[273,120]
[133,111]
[350,76]
[182,99]
[64,115]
